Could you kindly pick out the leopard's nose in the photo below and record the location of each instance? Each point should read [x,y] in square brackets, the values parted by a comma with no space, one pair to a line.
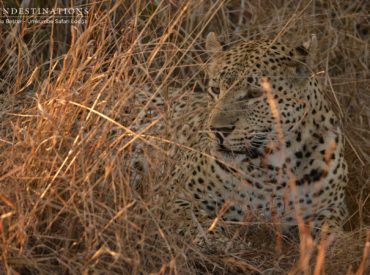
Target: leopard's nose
[222,132]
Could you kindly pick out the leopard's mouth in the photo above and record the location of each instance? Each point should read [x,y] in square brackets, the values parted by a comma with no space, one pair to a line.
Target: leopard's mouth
[252,148]
[249,153]
[224,150]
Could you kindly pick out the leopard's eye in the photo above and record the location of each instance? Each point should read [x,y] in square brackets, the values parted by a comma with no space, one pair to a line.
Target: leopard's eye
[215,90]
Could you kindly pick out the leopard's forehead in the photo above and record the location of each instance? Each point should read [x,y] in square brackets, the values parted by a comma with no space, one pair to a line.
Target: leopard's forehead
[254,57]
[263,50]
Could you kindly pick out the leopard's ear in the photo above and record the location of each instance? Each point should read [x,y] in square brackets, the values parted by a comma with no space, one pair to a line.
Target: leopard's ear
[303,57]
[311,46]
[213,46]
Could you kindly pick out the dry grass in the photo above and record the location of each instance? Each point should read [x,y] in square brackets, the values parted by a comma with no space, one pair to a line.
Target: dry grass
[65,203]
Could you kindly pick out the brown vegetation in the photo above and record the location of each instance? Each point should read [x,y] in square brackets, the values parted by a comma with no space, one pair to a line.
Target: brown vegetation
[65,202]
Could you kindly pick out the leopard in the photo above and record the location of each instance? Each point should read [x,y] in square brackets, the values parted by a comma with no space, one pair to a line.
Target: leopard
[262,142]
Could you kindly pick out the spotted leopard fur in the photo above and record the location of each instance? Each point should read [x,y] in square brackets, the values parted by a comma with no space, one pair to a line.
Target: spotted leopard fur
[264,143]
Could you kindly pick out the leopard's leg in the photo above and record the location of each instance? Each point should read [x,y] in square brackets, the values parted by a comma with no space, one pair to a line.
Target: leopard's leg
[196,223]
[329,222]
